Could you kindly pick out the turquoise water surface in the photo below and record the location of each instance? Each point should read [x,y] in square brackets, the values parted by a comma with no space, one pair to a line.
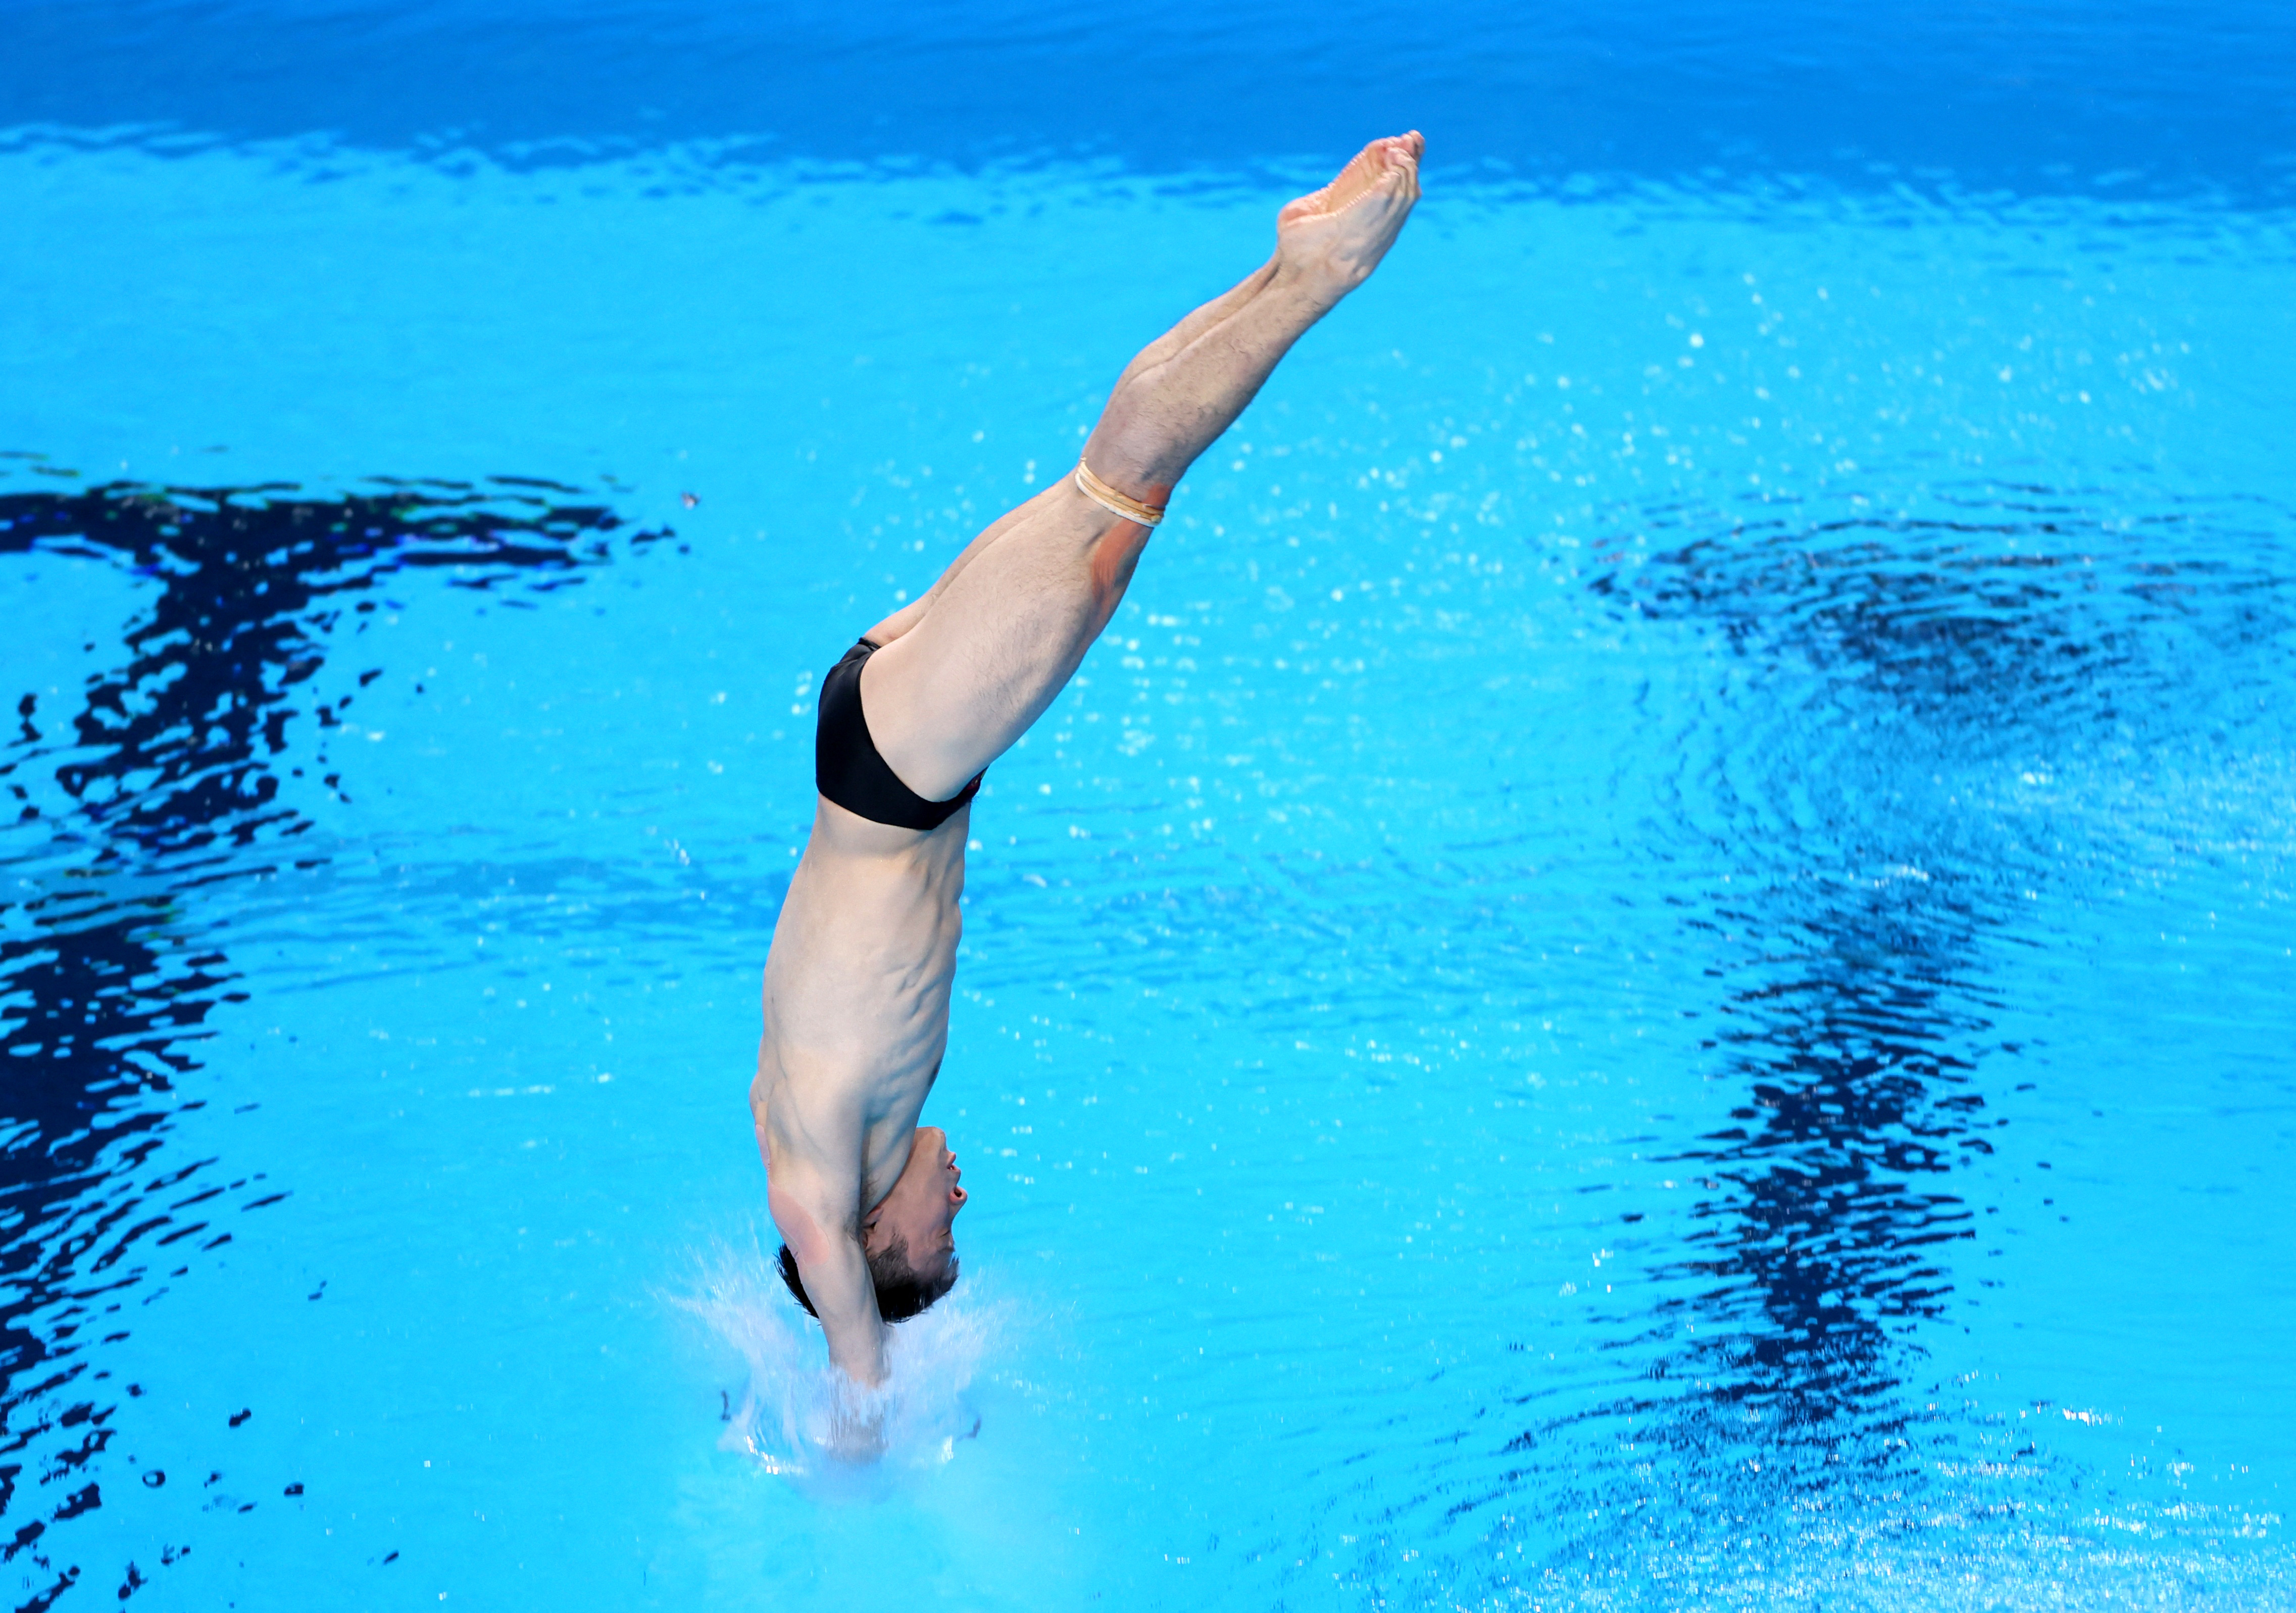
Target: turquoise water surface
[1652,969]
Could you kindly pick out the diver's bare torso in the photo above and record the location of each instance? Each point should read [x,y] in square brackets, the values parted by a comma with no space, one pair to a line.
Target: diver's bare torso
[856,995]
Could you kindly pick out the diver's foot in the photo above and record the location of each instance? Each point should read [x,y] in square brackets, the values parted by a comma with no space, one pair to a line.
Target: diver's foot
[1335,237]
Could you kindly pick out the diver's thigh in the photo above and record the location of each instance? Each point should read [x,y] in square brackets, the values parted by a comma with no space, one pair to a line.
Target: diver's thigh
[948,696]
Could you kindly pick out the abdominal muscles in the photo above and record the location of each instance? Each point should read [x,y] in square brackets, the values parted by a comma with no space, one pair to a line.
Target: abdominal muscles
[857,984]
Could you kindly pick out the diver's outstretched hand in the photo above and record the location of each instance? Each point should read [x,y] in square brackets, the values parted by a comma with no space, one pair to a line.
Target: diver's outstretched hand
[855,1431]
[1336,237]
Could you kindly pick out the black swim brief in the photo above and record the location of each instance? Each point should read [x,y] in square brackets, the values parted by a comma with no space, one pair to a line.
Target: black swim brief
[847,768]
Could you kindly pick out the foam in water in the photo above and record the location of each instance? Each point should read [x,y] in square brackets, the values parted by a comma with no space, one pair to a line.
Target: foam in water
[801,1417]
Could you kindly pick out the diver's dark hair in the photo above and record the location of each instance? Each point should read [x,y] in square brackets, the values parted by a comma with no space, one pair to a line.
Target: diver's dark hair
[901,1292]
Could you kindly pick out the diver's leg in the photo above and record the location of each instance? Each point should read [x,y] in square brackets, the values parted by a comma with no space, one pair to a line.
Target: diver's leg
[966,669]
[1164,347]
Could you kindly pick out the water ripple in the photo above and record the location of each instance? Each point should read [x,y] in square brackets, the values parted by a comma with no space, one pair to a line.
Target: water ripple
[168,774]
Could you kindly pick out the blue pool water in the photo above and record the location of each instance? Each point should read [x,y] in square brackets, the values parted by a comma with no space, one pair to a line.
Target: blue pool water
[1654,969]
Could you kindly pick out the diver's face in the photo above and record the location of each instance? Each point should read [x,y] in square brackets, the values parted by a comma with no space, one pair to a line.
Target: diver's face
[921,1211]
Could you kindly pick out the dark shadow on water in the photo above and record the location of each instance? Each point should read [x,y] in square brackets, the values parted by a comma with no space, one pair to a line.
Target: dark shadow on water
[1930,651]
[161,777]
[1828,1191]
[1778,1362]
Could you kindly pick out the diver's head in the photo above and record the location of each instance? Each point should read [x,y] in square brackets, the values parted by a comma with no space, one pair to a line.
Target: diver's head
[908,1239]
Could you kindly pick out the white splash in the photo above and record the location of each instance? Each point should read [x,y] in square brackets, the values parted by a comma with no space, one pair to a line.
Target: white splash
[801,1417]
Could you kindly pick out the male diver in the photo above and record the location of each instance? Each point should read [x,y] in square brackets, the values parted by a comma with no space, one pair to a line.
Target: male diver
[858,981]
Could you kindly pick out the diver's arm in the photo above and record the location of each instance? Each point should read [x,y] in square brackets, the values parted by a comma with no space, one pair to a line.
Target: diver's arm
[830,1261]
